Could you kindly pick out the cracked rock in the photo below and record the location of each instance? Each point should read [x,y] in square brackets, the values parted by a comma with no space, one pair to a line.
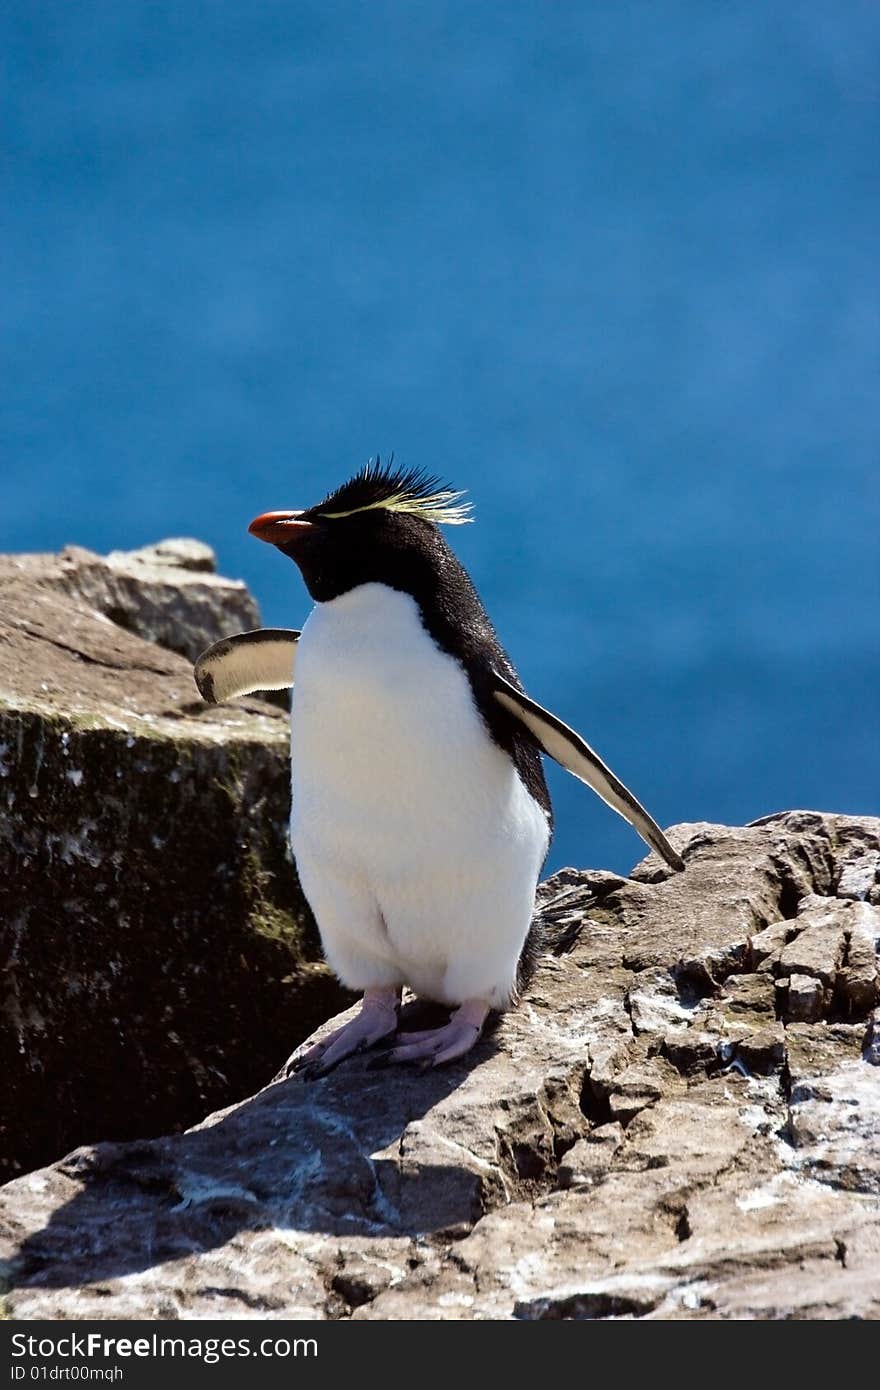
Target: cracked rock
[766,946]
[819,946]
[858,981]
[640,1085]
[590,1159]
[805,999]
[748,996]
[762,1051]
[168,593]
[636,1140]
[859,876]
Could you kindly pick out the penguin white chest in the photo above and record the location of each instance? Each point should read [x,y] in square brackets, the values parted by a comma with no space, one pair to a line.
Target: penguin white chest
[417,844]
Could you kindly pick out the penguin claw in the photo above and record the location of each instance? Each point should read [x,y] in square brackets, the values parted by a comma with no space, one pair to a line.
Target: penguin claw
[304,1068]
[377,1018]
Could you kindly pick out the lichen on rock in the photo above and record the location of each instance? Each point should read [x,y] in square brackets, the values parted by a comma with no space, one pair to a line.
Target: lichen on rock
[158,954]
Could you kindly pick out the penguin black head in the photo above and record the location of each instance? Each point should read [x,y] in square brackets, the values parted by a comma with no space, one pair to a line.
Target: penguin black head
[381,526]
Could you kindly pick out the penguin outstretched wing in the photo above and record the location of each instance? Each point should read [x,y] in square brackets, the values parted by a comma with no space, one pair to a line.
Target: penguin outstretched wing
[250,661]
[568,749]
[265,659]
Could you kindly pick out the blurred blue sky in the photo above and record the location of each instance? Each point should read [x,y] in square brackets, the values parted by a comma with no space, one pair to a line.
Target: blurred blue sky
[611,267]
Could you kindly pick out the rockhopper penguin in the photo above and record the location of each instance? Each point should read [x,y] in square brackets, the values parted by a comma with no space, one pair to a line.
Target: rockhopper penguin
[420,816]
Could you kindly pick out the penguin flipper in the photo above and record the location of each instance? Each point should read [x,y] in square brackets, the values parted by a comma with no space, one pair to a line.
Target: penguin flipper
[260,660]
[568,749]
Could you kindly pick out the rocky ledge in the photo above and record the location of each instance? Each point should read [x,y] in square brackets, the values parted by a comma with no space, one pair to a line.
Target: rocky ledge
[681,1120]
[157,954]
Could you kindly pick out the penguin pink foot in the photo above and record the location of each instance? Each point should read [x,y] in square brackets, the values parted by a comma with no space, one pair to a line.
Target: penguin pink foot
[377,1018]
[435,1046]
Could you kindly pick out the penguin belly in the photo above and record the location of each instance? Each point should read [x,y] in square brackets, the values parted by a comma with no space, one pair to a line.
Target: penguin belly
[417,844]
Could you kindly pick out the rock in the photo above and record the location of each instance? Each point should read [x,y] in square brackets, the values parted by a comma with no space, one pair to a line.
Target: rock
[834,1106]
[760,1052]
[858,876]
[168,593]
[767,945]
[824,956]
[695,1050]
[748,997]
[817,948]
[759,889]
[640,1085]
[159,958]
[805,999]
[641,1138]
[858,981]
[588,1160]
[657,1004]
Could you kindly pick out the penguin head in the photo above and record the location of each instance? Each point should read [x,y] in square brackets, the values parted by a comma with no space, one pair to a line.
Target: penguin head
[379,527]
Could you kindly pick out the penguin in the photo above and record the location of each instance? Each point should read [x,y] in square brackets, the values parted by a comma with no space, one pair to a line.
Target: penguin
[420,816]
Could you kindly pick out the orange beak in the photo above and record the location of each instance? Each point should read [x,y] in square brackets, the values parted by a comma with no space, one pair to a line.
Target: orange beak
[277,528]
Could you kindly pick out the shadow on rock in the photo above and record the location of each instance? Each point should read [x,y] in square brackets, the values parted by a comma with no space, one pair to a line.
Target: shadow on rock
[322,1156]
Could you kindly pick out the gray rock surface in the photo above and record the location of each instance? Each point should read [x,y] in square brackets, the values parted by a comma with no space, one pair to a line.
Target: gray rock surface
[646,1136]
[168,593]
[158,957]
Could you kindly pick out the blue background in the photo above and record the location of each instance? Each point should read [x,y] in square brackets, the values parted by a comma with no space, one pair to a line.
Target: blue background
[611,267]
